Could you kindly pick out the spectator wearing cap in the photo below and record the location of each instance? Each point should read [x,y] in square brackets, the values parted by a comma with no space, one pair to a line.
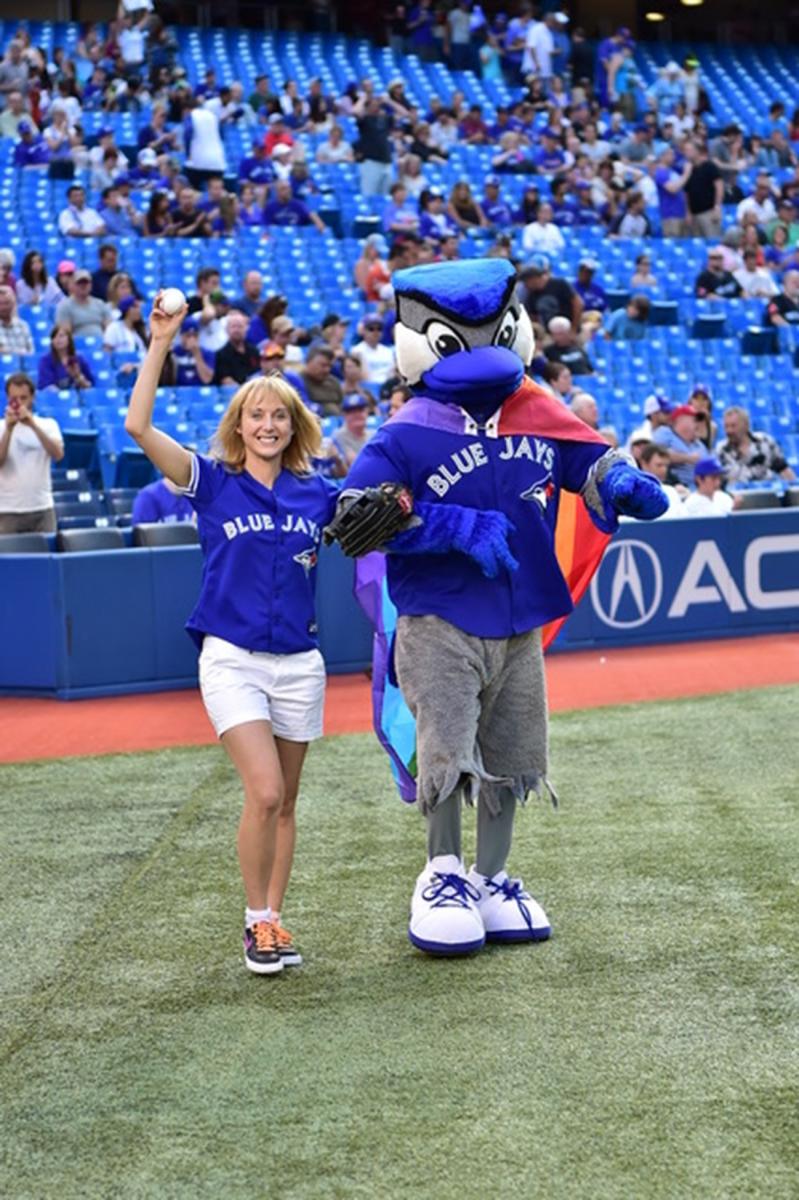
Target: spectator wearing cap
[283,331]
[31,150]
[542,235]
[546,296]
[277,134]
[497,211]
[77,219]
[85,314]
[238,358]
[272,358]
[434,222]
[680,439]
[654,460]
[194,367]
[564,347]
[630,323]
[708,499]
[286,211]
[400,215]
[716,282]
[352,436]
[668,89]
[783,310]
[334,331]
[756,283]
[250,301]
[591,293]
[549,157]
[657,414]
[65,277]
[257,167]
[146,175]
[749,456]
[321,386]
[377,360]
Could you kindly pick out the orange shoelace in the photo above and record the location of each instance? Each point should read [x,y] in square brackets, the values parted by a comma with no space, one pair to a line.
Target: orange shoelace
[265,939]
[283,938]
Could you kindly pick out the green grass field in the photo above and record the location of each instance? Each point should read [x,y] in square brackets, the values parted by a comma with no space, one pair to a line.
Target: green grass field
[649,1050]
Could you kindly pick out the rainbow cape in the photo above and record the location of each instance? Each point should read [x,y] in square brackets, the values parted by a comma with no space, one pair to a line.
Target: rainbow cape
[579,546]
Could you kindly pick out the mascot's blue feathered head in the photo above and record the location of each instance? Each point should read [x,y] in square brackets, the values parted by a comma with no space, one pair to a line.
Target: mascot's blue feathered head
[462,336]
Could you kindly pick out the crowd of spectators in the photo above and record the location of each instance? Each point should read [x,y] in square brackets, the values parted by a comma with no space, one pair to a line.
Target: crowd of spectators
[601,152]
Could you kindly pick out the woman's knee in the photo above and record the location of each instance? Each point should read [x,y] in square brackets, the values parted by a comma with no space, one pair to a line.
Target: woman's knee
[288,807]
[264,799]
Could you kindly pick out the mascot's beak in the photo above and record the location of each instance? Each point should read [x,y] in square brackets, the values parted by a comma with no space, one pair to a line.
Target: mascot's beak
[485,374]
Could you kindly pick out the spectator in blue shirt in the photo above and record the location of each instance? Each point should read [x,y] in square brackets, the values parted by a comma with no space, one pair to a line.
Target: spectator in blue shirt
[564,208]
[420,38]
[681,441]
[257,167]
[118,214]
[400,215]
[31,150]
[629,324]
[497,211]
[284,210]
[61,367]
[591,293]
[549,156]
[194,366]
[434,222]
[161,503]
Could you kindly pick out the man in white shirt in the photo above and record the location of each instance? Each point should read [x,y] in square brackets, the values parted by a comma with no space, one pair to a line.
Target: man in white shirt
[655,461]
[28,445]
[205,152]
[539,47]
[377,359]
[77,219]
[708,500]
[761,202]
[757,283]
[542,236]
[657,411]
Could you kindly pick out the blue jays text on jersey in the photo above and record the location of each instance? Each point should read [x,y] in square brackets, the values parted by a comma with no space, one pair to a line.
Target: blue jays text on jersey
[260,548]
[456,462]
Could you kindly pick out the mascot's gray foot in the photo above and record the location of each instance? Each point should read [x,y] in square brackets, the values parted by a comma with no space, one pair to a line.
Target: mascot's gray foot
[444,914]
[508,911]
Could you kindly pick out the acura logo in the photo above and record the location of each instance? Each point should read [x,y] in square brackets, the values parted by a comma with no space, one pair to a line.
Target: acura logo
[636,585]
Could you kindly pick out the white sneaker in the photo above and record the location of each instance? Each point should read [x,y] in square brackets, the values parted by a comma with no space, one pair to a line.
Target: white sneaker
[444,915]
[509,912]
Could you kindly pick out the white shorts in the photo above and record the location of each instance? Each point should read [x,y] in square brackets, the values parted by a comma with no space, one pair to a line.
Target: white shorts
[251,685]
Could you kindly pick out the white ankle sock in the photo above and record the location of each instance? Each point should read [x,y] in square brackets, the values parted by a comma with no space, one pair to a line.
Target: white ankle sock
[253,915]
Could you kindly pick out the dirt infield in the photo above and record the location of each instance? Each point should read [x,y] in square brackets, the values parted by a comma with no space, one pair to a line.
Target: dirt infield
[35,729]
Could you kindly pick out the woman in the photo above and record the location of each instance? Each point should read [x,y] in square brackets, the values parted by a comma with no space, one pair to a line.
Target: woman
[157,219]
[251,213]
[433,220]
[261,325]
[120,286]
[642,276]
[463,208]
[34,285]
[229,222]
[372,267]
[528,209]
[61,138]
[61,367]
[706,428]
[335,149]
[411,175]
[128,334]
[261,674]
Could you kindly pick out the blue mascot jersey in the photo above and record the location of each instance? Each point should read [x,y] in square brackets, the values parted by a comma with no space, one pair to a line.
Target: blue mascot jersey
[260,549]
[453,461]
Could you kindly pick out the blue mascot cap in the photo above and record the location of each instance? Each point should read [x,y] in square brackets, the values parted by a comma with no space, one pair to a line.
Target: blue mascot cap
[471,292]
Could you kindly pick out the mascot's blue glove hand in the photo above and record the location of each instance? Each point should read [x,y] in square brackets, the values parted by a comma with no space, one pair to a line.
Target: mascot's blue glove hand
[630,493]
[482,536]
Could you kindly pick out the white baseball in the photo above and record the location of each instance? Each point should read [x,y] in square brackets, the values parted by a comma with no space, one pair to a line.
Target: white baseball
[172,301]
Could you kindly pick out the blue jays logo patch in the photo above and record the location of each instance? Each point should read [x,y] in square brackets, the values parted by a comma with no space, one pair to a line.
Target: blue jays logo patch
[540,493]
[307,560]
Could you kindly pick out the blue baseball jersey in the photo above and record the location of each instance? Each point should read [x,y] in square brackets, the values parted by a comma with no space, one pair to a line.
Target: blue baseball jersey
[260,549]
[521,476]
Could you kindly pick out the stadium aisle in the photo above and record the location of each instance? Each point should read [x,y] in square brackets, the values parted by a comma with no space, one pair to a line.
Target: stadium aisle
[36,729]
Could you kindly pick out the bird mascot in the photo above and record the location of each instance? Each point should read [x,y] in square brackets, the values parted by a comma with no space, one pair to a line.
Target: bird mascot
[461,490]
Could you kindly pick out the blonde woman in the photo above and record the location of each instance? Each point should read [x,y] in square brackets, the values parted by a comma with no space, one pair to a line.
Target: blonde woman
[260,514]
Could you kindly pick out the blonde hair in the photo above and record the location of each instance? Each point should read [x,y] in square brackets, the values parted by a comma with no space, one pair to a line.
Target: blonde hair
[227,445]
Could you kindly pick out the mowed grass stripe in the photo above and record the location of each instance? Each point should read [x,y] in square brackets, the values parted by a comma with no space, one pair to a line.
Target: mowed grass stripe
[649,1050]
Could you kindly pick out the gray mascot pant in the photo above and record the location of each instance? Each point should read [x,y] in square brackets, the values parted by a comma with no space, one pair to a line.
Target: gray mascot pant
[481,729]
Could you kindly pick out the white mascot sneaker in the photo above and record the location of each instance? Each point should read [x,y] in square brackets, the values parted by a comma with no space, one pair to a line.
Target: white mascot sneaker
[510,914]
[444,916]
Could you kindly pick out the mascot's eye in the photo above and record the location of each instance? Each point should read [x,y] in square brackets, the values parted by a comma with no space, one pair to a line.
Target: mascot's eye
[443,340]
[506,334]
